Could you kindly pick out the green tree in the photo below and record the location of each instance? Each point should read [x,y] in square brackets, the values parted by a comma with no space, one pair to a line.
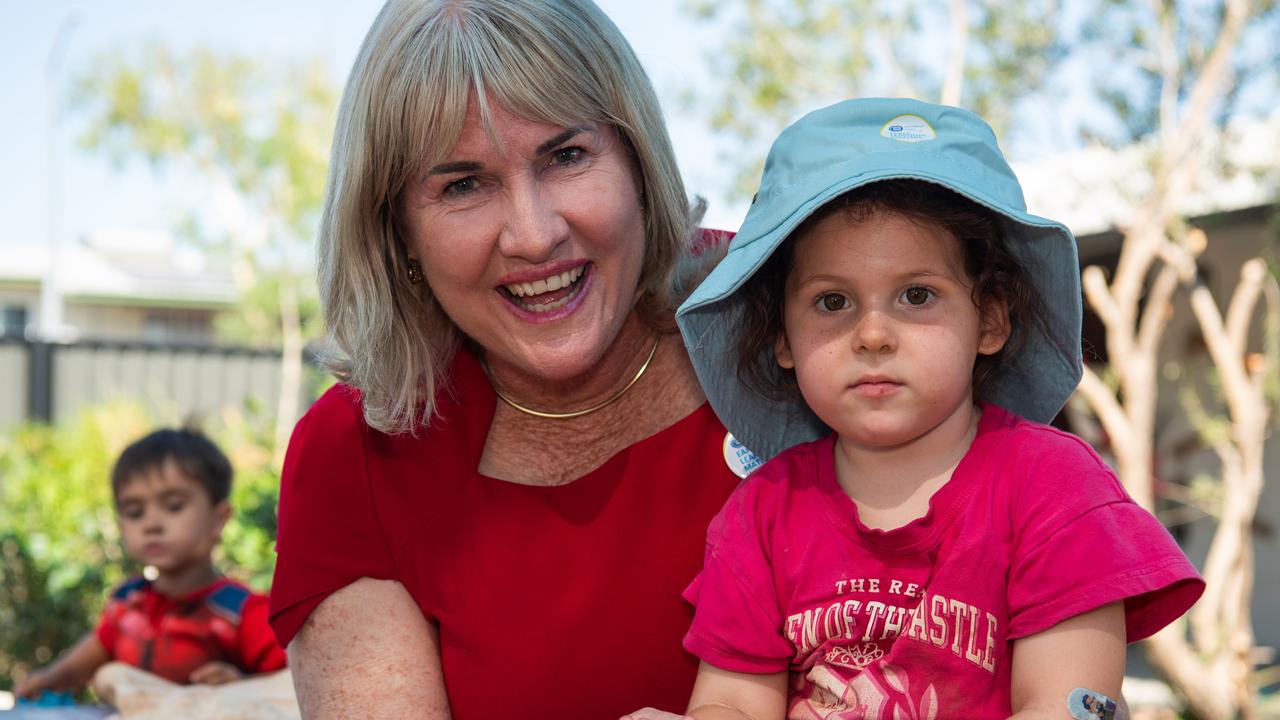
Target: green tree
[256,133]
[785,57]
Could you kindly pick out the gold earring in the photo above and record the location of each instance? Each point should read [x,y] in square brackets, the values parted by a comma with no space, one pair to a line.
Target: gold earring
[415,272]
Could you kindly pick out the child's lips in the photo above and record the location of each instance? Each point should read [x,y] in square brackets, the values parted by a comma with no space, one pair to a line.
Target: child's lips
[876,387]
[153,548]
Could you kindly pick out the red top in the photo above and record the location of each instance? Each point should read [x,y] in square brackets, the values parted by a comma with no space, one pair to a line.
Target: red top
[172,637]
[919,621]
[561,602]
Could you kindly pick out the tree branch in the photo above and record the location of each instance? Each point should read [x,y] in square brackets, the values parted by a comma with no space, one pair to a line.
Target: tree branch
[1208,85]
[1243,301]
[1105,406]
[953,84]
[1158,311]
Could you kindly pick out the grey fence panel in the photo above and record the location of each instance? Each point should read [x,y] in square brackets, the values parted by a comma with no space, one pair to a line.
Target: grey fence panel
[173,383]
[15,361]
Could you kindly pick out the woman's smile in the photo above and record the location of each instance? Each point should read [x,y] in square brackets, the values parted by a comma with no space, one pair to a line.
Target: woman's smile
[547,294]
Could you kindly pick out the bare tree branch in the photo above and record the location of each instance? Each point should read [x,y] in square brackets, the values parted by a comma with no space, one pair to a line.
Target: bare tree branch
[953,84]
[1105,406]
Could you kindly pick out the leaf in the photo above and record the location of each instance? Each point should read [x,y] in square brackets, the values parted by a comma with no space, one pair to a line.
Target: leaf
[896,678]
[929,704]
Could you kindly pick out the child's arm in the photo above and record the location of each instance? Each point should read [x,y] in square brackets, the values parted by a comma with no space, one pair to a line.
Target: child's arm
[1085,651]
[719,693]
[215,672]
[727,695]
[69,672]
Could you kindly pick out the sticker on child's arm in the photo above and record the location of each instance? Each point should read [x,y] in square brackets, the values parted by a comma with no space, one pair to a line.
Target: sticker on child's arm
[1089,705]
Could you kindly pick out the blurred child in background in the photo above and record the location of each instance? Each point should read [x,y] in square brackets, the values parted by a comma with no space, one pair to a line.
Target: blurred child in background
[188,624]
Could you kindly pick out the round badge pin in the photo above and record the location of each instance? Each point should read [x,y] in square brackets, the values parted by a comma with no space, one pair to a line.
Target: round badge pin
[740,460]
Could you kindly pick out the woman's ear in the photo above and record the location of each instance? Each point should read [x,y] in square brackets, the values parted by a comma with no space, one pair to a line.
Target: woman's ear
[996,326]
[782,352]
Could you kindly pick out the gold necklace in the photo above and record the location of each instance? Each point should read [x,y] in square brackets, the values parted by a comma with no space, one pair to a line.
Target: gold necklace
[575,413]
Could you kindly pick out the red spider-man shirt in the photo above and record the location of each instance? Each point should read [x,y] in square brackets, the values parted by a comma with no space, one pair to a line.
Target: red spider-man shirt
[172,637]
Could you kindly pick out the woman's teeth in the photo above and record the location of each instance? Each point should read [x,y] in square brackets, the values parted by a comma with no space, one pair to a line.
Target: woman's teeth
[523,293]
[538,287]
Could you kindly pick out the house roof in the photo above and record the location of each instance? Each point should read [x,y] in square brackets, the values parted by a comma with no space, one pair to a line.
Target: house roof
[1096,189]
[124,267]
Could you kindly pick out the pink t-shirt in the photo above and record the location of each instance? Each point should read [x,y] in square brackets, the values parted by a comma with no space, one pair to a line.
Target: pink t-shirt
[918,622]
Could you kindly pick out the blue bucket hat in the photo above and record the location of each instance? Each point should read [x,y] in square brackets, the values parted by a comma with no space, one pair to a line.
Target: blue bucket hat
[845,146]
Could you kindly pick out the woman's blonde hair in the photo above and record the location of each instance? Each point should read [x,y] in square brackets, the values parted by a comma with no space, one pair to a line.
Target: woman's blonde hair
[561,62]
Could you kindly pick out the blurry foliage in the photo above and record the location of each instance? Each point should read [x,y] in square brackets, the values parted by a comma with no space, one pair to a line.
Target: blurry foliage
[60,550]
[256,132]
[781,58]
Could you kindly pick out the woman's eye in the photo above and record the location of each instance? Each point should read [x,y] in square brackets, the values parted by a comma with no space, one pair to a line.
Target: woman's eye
[917,296]
[832,302]
[461,187]
[567,156]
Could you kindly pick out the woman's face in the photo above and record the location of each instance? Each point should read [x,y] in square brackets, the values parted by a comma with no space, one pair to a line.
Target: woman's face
[532,240]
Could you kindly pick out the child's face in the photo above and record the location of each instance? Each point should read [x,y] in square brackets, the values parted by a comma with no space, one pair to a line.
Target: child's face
[168,520]
[881,329]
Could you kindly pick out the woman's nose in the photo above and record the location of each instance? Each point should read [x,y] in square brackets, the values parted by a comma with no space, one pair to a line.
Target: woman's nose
[874,333]
[534,226]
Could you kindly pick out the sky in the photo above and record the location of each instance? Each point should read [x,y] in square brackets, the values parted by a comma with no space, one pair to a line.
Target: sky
[45,44]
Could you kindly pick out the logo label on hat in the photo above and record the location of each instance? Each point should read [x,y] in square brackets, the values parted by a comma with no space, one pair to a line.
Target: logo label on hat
[740,460]
[908,128]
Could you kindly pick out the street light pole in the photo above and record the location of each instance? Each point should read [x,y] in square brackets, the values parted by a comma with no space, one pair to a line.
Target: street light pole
[52,325]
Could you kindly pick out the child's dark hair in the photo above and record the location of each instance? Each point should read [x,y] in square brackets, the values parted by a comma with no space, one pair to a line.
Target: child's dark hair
[995,273]
[195,454]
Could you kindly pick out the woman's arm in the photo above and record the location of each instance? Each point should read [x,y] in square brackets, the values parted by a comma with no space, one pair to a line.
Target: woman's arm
[368,652]
[719,693]
[69,672]
[1085,651]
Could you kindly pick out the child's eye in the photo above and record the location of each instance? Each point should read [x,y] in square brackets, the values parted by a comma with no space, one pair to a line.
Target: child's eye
[832,302]
[175,507]
[917,296]
[567,156]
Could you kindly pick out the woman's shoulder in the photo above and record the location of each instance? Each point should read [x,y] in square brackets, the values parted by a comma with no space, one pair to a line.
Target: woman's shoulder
[340,404]
[342,408]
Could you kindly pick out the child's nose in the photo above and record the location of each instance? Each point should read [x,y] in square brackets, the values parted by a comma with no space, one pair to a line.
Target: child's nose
[873,334]
[151,521]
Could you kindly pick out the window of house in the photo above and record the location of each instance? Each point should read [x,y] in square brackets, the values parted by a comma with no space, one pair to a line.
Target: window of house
[14,321]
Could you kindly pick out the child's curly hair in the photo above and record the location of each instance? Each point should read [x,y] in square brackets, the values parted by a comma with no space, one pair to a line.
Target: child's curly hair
[995,273]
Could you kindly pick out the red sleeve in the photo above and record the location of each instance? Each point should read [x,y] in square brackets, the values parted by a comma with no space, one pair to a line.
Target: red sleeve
[329,532]
[737,625]
[106,630]
[710,240]
[1084,543]
[257,646]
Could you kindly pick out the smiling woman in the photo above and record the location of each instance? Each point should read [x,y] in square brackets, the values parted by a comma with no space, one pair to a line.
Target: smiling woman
[506,495]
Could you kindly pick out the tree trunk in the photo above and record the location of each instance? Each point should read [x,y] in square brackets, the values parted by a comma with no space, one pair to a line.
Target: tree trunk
[291,348]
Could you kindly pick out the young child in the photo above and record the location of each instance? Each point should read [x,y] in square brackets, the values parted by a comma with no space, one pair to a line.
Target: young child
[189,624]
[893,322]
